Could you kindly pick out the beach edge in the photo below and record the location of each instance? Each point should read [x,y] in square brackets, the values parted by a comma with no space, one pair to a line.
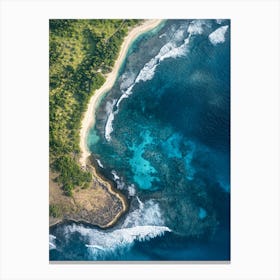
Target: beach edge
[89,116]
[88,119]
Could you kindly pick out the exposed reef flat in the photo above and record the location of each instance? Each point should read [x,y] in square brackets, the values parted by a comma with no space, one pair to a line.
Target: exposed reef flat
[99,204]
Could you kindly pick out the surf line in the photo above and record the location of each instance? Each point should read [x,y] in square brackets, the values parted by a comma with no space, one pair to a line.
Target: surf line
[89,117]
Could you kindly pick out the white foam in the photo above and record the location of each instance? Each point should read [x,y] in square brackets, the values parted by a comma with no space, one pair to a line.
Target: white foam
[120,185]
[218,36]
[109,126]
[148,71]
[127,79]
[169,50]
[172,49]
[126,94]
[142,224]
[119,181]
[196,27]
[148,213]
[99,163]
[141,204]
[115,175]
[179,34]
[95,247]
[119,241]
[131,190]
[110,106]
[52,239]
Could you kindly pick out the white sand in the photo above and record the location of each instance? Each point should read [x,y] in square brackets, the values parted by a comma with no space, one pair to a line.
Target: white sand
[89,117]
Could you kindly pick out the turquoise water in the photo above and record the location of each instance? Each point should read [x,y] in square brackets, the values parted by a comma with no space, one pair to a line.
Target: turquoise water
[163,135]
[144,174]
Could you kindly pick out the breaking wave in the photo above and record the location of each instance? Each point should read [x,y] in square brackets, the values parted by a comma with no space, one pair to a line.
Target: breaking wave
[142,224]
[100,163]
[52,239]
[115,175]
[101,245]
[176,47]
[148,213]
[218,36]
[109,126]
[131,189]
[172,49]
[196,27]
[111,116]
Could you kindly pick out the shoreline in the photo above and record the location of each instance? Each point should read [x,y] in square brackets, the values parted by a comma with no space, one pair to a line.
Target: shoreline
[102,204]
[89,116]
[89,120]
[110,188]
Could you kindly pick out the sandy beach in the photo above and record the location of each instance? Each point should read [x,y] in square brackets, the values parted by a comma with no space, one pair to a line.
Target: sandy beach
[89,116]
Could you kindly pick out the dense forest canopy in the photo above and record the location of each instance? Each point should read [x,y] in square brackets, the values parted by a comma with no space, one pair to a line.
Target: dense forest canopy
[81,53]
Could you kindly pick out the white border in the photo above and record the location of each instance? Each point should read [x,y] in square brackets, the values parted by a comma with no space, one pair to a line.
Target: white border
[255,138]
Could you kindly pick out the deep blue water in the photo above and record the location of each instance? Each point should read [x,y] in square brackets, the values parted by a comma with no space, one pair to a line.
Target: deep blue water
[163,135]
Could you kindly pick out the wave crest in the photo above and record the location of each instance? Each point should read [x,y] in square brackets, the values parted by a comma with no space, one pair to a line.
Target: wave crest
[100,163]
[218,36]
[111,115]
[52,244]
[119,241]
[142,224]
[173,49]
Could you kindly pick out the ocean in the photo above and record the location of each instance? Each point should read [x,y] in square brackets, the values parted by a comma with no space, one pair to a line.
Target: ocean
[162,134]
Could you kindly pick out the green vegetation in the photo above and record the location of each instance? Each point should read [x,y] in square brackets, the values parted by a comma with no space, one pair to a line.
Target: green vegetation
[81,52]
[71,174]
[54,211]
